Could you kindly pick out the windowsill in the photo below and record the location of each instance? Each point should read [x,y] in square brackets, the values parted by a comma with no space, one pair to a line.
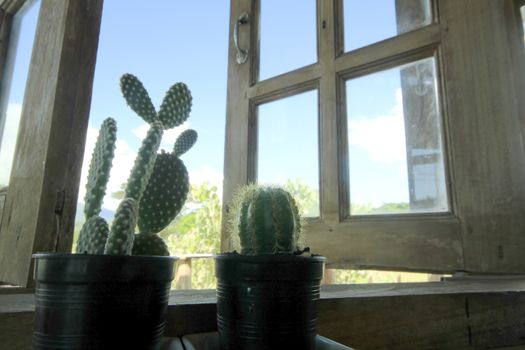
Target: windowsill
[463,311]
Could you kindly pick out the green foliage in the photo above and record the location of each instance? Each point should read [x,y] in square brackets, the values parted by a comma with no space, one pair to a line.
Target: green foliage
[99,167]
[198,231]
[266,219]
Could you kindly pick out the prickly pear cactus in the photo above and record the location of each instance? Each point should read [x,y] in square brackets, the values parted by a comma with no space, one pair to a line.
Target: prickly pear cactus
[99,168]
[144,163]
[165,194]
[138,98]
[93,235]
[184,142]
[149,244]
[120,239]
[176,106]
[160,184]
[267,220]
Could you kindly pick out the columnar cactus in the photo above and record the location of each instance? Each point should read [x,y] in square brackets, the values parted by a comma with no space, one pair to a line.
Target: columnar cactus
[99,167]
[266,219]
[157,186]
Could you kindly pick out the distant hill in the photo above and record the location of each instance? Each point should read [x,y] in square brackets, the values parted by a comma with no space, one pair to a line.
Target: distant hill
[105,213]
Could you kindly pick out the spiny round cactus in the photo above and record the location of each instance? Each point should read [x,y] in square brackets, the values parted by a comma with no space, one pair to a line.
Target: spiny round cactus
[144,163]
[176,106]
[120,239]
[267,220]
[184,142]
[165,194]
[138,98]
[93,235]
[149,244]
[100,167]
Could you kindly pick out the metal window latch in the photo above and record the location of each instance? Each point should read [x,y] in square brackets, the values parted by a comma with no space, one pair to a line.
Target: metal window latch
[242,54]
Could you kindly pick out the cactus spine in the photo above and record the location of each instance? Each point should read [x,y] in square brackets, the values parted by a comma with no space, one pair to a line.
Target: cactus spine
[266,220]
[157,186]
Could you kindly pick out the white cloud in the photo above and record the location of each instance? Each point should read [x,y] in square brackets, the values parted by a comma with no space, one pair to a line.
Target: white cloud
[383,137]
[168,138]
[8,140]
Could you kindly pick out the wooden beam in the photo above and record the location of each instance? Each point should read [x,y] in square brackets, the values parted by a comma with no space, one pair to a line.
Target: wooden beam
[459,315]
[40,208]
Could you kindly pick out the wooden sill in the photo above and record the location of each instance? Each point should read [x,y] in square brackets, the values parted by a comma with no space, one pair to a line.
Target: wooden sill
[466,314]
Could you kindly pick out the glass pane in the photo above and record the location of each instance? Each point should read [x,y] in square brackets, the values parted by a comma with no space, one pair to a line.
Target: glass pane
[395,141]
[522,10]
[288,148]
[288,38]
[13,85]
[367,22]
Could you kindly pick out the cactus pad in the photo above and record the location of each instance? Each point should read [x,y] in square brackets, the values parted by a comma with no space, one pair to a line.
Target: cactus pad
[165,194]
[137,98]
[184,142]
[120,239]
[144,163]
[93,235]
[149,244]
[176,106]
[100,167]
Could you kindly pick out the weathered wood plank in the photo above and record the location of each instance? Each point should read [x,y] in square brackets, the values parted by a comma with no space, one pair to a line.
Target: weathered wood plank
[442,315]
[485,103]
[41,205]
[238,114]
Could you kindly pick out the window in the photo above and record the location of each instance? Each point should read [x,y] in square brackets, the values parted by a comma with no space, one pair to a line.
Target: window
[45,172]
[13,83]
[416,147]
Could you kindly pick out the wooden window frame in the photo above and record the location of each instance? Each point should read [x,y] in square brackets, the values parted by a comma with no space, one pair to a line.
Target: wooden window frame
[40,205]
[483,231]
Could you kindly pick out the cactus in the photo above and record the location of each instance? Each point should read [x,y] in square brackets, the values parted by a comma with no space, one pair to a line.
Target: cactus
[138,98]
[266,219]
[176,106]
[93,235]
[157,186]
[165,195]
[184,142]
[144,163]
[99,167]
[149,244]
[120,239]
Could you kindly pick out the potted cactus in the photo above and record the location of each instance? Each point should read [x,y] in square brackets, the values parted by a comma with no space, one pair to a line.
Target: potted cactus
[267,294]
[113,293]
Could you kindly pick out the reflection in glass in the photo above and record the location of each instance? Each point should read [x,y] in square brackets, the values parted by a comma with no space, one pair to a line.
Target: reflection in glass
[396,158]
[13,84]
[288,148]
[367,22]
[288,38]
[522,11]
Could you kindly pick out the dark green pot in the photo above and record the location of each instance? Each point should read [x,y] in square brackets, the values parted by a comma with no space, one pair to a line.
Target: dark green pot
[267,301]
[100,301]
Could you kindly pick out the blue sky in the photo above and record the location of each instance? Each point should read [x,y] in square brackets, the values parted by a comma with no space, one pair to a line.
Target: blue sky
[171,41]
